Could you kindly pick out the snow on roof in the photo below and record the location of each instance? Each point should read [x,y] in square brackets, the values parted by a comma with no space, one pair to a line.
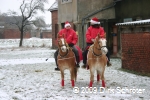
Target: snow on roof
[2,26]
[147,21]
[54,6]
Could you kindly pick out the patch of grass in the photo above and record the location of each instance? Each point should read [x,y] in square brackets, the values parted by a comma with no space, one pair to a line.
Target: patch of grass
[38,70]
[134,72]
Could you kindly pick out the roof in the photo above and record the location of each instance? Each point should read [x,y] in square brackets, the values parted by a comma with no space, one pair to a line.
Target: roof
[7,21]
[54,6]
[147,21]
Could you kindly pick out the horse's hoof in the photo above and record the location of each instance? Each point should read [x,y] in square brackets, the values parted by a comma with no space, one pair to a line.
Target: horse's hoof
[62,87]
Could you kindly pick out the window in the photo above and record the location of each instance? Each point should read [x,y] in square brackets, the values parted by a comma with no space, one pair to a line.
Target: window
[62,25]
[65,1]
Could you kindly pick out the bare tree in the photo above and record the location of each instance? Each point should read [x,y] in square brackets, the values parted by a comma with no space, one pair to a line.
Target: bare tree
[28,9]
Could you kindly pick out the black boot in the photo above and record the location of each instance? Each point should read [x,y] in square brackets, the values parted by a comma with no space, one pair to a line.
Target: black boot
[57,69]
[55,56]
[108,63]
[77,59]
[84,66]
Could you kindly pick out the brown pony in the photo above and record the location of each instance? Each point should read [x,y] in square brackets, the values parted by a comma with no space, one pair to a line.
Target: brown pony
[97,60]
[66,60]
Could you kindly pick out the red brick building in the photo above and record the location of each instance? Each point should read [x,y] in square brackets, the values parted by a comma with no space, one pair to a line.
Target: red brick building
[135,45]
[46,32]
[8,30]
[11,31]
[54,13]
[12,34]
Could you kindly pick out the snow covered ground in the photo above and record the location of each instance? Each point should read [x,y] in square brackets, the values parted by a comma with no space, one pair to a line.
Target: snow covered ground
[26,75]
[31,42]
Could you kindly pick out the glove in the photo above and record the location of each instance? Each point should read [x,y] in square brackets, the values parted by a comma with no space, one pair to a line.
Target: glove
[71,45]
[92,40]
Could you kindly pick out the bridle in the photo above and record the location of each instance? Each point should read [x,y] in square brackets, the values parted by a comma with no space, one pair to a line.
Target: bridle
[60,48]
[66,54]
[98,48]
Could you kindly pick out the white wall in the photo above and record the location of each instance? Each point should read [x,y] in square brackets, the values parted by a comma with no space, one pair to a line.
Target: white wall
[32,42]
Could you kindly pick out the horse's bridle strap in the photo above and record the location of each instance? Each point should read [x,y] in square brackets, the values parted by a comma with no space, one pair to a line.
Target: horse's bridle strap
[64,55]
[100,47]
[65,58]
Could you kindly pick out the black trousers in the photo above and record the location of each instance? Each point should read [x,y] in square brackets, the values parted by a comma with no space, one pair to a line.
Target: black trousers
[84,54]
[74,49]
[108,55]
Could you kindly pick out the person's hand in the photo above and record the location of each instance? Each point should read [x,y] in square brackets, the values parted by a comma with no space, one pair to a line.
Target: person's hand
[92,40]
[71,45]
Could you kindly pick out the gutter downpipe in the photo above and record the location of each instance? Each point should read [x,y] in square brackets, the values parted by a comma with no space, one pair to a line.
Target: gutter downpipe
[84,18]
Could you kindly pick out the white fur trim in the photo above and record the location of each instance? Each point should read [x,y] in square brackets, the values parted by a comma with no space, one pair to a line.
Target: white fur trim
[67,25]
[94,22]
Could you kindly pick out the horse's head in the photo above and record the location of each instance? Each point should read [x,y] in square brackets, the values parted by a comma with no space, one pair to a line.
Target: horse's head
[62,44]
[101,44]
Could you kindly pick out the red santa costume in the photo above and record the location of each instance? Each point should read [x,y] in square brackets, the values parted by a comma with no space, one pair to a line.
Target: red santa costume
[93,31]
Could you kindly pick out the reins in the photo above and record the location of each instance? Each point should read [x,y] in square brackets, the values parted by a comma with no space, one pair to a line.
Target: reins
[100,47]
[63,56]
[95,53]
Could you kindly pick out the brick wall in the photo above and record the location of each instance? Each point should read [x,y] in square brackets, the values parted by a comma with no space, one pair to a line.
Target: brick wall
[136,51]
[13,34]
[54,27]
[46,35]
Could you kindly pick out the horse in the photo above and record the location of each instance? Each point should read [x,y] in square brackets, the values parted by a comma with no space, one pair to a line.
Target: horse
[66,60]
[97,60]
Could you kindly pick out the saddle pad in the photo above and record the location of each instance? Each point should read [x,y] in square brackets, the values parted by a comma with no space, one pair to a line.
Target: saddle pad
[80,52]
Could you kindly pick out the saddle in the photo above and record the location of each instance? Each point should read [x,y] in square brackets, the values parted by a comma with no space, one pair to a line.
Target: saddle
[80,53]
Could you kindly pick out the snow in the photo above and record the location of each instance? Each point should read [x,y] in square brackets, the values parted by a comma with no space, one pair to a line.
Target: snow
[146,21]
[31,42]
[26,75]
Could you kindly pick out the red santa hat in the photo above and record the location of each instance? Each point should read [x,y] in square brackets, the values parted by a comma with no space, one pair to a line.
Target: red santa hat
[94,21]
[67,24]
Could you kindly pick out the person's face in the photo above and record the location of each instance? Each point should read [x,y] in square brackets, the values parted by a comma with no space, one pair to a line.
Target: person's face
[68,27]
[91,24]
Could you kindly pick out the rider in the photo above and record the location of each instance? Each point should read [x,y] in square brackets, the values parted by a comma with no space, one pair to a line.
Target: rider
[71,38]
[91,33]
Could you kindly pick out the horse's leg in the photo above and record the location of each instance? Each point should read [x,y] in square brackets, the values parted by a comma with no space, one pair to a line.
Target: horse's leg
[75,73]
[98,77]
[102,77]
[91,77]
[62,78]
[72,76]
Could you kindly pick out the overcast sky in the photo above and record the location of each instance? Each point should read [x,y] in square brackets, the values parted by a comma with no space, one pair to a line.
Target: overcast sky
[6,5]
